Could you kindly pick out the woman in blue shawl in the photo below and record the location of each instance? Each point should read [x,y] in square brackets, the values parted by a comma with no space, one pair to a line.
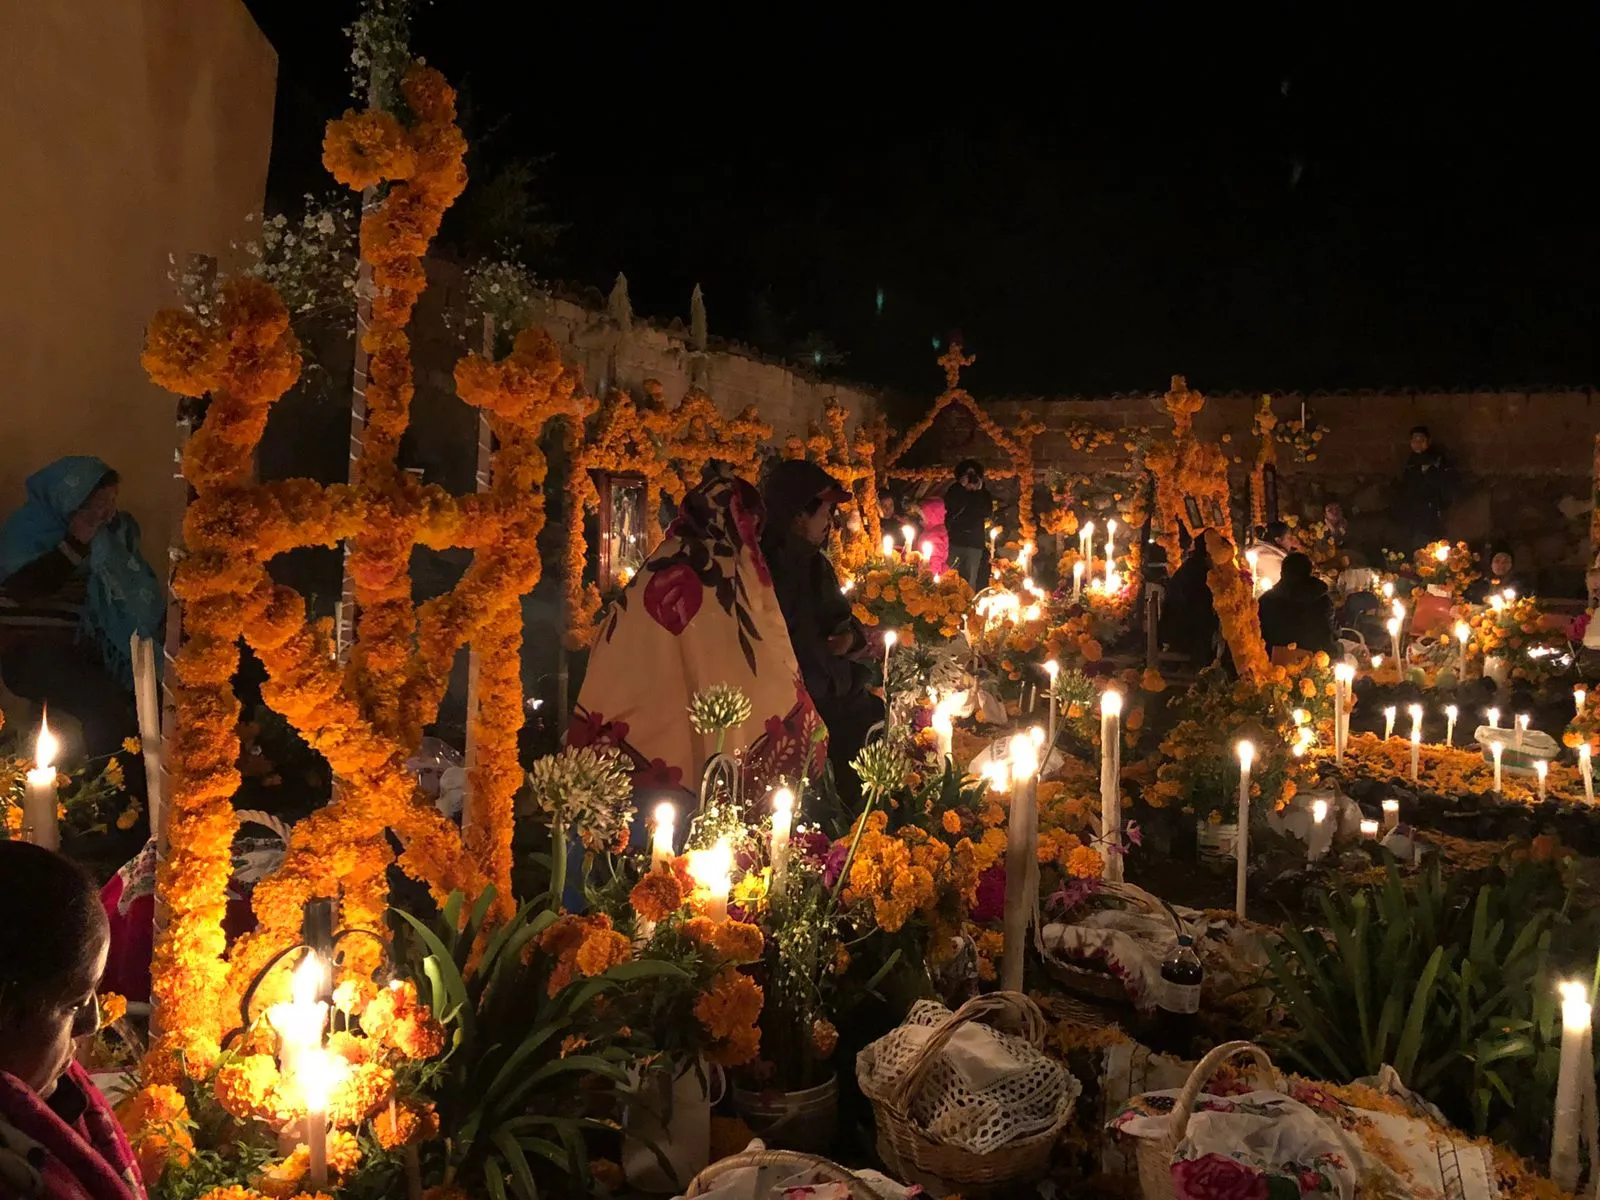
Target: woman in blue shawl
[68,548]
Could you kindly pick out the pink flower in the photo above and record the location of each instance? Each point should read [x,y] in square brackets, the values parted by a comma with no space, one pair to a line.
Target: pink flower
[673,597]
[1217,1177]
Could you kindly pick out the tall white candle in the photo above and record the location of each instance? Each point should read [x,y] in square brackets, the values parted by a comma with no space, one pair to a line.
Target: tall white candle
[712,871]
[1111,780]
[1051,668]
[1416,738]
[666,820]
[907,532]
[1580,696]
[1497,749]
[1247,754]
[1319,826]
[890,637]
[1077,580]
[1111,554]
[1086,541]
[1344,675]
[1388,722]
[782,827]
[1542,770]
[943,726]
[888,545]
[1522,727]
[1022,859]
[1451,712]
[1463,635]
[1586,769]
[318,1074]
[39,800]
[1393,626]
[1577,1015]
[1391,814]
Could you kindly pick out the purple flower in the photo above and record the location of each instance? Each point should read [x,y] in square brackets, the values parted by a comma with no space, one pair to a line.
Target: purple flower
[990,903]
[834,863]
[1071,894]
[812,846]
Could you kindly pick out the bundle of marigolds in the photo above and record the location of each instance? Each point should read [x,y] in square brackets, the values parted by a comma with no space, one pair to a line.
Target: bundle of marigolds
[380,1064]
[1445,565]
[1514,630]
[902,594]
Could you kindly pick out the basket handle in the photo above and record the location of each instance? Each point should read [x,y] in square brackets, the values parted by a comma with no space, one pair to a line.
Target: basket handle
[701,1183]
[984,1007]
[1201,1075]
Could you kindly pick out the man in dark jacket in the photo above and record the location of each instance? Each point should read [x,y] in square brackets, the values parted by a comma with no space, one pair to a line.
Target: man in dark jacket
[829,643]
[1426,489]
[968,508]
[1298,611]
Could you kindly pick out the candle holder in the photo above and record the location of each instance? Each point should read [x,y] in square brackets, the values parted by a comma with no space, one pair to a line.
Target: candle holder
[319,936]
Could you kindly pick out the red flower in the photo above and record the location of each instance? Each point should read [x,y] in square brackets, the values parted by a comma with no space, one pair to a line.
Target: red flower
[673,597]
[592,729]
[1217,1177]
[658,775]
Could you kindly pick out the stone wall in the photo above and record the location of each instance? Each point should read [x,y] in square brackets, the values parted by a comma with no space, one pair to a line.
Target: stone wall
[133,129]
[1526,459]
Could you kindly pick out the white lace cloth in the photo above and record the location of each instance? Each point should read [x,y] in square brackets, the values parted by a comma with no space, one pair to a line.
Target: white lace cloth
[983,1090]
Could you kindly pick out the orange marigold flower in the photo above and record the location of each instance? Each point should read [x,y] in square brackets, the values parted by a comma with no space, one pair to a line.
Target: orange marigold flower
[824,1036]
[112,1008]
[1085,862]
[405,1124]
[951,820]
[729,1010]
[362,149]
[658,895]
[156,1121]
[738,941]
[418,1035]
[602,950]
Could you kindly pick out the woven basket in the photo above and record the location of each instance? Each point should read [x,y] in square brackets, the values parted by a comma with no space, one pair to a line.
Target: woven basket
[910,1155]
[1155,1154]
[791,1159]
[1101,984]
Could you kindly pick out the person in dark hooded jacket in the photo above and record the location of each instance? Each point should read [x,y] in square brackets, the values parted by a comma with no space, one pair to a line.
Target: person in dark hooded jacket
[1298,611]
[829,643]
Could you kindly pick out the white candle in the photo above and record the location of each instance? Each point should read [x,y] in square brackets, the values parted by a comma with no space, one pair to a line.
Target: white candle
[943,726]
[1247,754]
[1369,828]
[908,532]
[300,1020]
[1463,634]
[1086,541]
[1111,552]
[1522,727]
[890,637]
[318,1074]
[1510,595]
[39,800]
[1494,717]
[1319,825]
[1077,580]
[1497,750]
[1391,814]
[1343,681]
[1388,722]
[1388,589]
[888,545]
[1377,663]
[1051,668]
[1441,553]
[1416,738]
[782,826]
[1451,712]
[1580,696]
[1586,769]
[1251,557]
[661,837]
[1024,554]
[1577,1015]
[1022,860]
[712,872]
[1542,770]
[1393,626]
[1111,779]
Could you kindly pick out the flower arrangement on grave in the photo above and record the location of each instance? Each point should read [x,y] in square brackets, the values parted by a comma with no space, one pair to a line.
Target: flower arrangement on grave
[90,798]
[900,593]
[1447,565]
[1301,434]
[1516,631]
[1317,543]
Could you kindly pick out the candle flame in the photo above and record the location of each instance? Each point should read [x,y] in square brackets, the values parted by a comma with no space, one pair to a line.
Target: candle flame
[1451,711]
[1494,718]
[1388,589]
[666,815]
[308,978]
[1393,625]
[1078,569]
[1111,702]
[1051,667]
[316,1076]
[927,548]
[1247,755]
[890,637]
[1577,1014]
[783,803]
[1024,758]
[1463,632]
[1377,662]
[1319,811]
[711,868]
[1344,672]
[888,545]
[47,746]
[1441,552]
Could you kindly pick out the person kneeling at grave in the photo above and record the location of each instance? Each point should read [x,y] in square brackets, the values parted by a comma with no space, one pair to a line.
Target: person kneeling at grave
[74,590]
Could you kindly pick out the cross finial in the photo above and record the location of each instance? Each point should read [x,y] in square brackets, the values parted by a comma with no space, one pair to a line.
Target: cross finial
[952,360]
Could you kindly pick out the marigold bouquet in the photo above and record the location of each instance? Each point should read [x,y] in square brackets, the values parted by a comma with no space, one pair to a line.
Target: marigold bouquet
[903,595]
[1445,564]
[1515,630]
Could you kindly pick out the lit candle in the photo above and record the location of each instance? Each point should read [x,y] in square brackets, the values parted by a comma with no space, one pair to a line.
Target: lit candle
[1542,770]
[1369,829]
[1111,552]
[1022,860]
[1111,779]
[1416,738]
[1586,769]
[320,1071]
[1577,1015]
[1319,825]
[1463,633]
[661,837]
[1391,814]
[299,1021]
[943,726]
[1397,608]
[782,826]
[1497,749]
[1494,717]
[927,550]
[39,800]
[1344,675]
[1241,845]
[1393,626]
[1441,553]
[1451,712]
[1086,541]
[1377,663]
[712,872]
[1580,697]
[1388,589]
[1024,554]
[1522,727]
[1510,595]
[908,532]
[890,637]
[1051,668]
[1388,722]
[1077,580]
[888,545]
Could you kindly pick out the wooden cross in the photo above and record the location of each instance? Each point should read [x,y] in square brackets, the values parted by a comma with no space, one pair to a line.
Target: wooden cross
[952,360]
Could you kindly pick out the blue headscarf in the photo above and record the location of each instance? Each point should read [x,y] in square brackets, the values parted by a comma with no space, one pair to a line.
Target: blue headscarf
[123,594]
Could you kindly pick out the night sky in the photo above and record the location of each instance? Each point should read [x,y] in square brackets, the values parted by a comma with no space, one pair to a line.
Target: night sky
[1259,206]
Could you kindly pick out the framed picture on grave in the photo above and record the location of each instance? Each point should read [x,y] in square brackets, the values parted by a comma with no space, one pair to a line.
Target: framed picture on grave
[1219,519]
[1191,508]
[1269,493]
[622,548]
